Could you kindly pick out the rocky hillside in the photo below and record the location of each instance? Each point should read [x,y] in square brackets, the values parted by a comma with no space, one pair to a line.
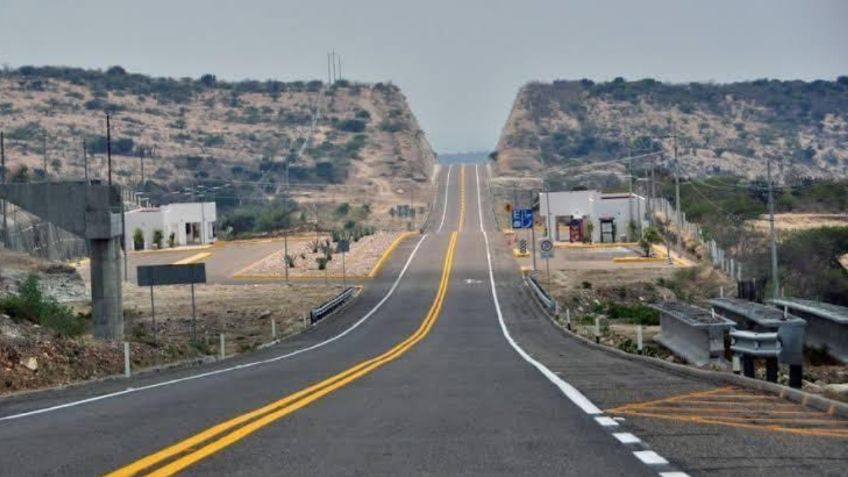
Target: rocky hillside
[235,142]
[722,128]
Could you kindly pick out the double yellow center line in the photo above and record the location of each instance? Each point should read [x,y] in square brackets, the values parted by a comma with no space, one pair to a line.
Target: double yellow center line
[178,456]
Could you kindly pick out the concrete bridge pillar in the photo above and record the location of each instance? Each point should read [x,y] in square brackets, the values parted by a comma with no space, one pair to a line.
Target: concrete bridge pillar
[106,294]
[91,211]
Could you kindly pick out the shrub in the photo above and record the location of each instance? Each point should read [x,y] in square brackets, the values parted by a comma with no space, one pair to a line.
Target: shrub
[138,239]
[637,314]
[157,238]
[26,132]
[391,126]
[351,125]
[31,305]
[214,140]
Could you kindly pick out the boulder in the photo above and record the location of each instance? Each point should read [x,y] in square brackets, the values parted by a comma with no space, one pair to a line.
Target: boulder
[30,363]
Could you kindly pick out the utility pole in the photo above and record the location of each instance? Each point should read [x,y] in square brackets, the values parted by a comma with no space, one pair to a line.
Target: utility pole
[109,148]
[631,226]
[3,172]
[653,193]
[141,161]
[84,160]
[677,198]
[329,74]
[334,66]
[340,66]
[774,277]
[44,154]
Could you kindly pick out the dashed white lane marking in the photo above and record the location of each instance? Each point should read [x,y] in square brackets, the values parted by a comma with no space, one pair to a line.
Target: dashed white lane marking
[445,206]
[626,438]
[606,421]
[650,457]
[570,391]
[131,390]
[674,474]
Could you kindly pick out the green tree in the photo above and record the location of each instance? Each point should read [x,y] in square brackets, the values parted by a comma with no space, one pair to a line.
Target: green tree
[650,236]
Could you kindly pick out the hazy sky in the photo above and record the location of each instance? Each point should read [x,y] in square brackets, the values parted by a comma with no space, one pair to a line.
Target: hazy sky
[459,62]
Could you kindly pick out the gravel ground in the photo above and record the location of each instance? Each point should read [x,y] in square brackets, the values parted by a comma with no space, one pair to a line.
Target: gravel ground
[362,257]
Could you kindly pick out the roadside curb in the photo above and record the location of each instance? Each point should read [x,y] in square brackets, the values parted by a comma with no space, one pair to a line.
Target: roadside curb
[815,401]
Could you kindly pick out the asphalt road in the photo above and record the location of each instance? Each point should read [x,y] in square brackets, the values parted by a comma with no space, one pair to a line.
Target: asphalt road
[443,366]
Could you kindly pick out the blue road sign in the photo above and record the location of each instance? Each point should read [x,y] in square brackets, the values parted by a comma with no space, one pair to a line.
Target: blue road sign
[522,218]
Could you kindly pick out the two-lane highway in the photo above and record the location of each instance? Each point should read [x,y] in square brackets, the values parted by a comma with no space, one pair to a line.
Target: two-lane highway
[443,366]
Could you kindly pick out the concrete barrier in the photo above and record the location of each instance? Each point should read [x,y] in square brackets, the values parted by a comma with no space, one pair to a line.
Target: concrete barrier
[827,324]
[692,333]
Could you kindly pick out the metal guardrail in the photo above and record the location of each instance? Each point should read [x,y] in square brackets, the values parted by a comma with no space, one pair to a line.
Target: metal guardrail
[318,313]
[750,343]
[544,298]
[748,346]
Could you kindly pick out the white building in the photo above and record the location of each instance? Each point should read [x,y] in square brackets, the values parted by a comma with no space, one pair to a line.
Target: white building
[190,223]
[568,215]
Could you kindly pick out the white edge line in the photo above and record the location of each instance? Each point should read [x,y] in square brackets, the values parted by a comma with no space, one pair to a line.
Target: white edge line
[626,438]
[606,421]
[445,205]
[232,368]
[650,457]
[570,391]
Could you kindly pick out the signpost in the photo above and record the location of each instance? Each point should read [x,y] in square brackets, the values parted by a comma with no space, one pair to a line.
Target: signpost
[157,275]
[523,219]
[343,247]
[546,246]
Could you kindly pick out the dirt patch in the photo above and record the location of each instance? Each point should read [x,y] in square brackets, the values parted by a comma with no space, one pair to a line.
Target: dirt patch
[242,312]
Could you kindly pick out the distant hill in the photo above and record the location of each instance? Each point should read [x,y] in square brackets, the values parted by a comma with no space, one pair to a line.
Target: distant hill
[237,141]
[723,129]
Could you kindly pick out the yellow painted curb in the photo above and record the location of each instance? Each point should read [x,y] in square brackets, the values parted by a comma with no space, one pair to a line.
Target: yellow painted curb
[379,265]
[594,245]
[300,277]
[517,253]
[198,257]
[638,259]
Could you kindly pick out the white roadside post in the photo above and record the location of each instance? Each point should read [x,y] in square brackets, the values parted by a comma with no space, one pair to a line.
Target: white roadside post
[597,330]
[222,349]
[568,318]
[127,370]
[639,338]
[273,329]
